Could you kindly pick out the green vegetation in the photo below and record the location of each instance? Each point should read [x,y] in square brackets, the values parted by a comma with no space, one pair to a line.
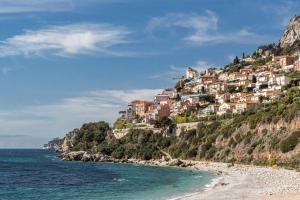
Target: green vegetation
[290,142]
[262,61]
[162,122]
[295,74]
[218,140]
[120,123]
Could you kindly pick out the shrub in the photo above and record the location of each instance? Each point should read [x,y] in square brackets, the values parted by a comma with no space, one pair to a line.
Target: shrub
[290,142]
[191,153]
[272,161]
[274,142]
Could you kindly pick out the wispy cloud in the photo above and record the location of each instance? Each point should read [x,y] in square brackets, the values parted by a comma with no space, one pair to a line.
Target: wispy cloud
[282,11]
[204,29]
[202,65]
[55,119]
[25,6]
[30,6]
[8,69]
[66,40]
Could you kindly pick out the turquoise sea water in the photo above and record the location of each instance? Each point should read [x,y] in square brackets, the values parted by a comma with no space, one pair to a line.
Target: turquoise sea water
[39,175]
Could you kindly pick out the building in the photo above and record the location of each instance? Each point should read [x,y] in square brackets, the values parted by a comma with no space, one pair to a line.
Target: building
[222,98]
[297,64]
[207,79]
[279,79]
[245,71]
[243,106]
[130,112]
[161,97]
[249,59]
[213,108]
[141,107]
[283,60]
[191,73]
[224,107]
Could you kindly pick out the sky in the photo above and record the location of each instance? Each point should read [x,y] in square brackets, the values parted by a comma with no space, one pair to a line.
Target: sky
[67,62]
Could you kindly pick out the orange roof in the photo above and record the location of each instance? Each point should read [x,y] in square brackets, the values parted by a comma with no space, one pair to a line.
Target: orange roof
[141,101]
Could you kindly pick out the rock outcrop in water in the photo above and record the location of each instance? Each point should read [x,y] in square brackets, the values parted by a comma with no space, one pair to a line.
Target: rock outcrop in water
[55,144]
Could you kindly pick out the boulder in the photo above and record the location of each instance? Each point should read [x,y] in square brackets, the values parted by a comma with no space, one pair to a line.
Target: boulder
[86,157]
[73,155]
[175,162]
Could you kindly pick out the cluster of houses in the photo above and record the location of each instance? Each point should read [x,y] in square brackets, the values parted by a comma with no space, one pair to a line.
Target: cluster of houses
[219,91]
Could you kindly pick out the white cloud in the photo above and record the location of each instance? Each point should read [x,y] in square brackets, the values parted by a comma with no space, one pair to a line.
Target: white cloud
[203,29]
[282,11]
[55,119]
[202,65]
[66,40]
[25,6]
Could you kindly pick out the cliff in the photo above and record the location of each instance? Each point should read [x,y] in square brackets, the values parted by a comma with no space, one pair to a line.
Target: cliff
[290,40]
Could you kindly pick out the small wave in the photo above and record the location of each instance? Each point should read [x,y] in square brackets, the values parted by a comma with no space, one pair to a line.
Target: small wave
[207,187]
[120,179]
[198,176]
[213,183]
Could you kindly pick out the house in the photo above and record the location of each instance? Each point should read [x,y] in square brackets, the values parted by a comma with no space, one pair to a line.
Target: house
[222,98]
[233,76]
[207,79]
[249,59]
[157,111]
[213,108]
[161,97]
[297,64]
[244,82]
[166,102]
[283,80]
[243,106]
[224,107]
[279,79]
[224,76]
[141,107]
[191,73]
[288,68]
[216,87]
[245,71]
[283,60]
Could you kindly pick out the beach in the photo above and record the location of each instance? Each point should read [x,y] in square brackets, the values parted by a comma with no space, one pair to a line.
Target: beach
[248,183]
[232,181]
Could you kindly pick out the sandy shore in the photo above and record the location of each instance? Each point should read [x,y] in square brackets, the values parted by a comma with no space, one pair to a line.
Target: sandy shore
[241,182]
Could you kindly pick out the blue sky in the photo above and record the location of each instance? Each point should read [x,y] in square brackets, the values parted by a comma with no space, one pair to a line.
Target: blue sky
[66,62]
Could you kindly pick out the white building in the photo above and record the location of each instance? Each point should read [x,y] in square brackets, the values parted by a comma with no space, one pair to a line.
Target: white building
[191,73]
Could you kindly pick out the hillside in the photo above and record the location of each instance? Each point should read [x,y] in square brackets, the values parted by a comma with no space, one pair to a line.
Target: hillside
[247,112]
[268,136]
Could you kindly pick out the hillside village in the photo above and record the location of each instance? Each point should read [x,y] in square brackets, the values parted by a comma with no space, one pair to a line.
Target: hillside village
[217,93]
[246,112]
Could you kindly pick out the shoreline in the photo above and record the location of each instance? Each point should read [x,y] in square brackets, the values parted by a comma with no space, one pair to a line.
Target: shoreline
[234,182]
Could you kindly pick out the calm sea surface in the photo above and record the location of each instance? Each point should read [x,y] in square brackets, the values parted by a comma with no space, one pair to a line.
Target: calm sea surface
[39,175]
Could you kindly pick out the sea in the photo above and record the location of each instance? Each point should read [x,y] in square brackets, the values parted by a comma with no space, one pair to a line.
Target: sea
[36,174]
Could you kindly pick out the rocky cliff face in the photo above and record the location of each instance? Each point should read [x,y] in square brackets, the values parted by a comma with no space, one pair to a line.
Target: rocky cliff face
[291,36]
